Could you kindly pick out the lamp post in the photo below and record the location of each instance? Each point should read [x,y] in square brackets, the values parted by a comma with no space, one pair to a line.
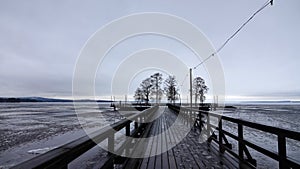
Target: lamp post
[191,89]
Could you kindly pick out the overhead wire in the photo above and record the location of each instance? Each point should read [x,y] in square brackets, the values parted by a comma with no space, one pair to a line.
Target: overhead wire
[269,2]
[235,33]
[186,75]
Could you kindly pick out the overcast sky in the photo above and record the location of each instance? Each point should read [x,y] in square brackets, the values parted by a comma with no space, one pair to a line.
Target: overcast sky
[40,42]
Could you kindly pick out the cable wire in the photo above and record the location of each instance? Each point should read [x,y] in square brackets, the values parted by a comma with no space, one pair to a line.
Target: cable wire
[235,33]
[231,37]
[184,79]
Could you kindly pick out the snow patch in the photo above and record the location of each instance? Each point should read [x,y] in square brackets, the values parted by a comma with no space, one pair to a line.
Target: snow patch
[41,150]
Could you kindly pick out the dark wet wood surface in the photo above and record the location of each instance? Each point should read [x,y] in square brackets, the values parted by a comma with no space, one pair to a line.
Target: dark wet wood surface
[188,153]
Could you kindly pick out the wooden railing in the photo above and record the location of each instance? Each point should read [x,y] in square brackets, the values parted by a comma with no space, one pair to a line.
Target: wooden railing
[60,157]
[243,144]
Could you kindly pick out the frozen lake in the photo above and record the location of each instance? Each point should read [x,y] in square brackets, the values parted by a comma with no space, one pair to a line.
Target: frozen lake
[27,129]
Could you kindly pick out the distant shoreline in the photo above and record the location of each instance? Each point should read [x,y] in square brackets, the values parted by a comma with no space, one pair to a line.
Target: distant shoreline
[42,99]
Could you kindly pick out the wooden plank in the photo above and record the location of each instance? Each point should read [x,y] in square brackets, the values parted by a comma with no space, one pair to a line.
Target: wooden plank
[148,148]
[226,159]
[198,156]
[158,157]
[146,161]
[151,161]
[165,158]
[141,147]
[176,149]
[186,155]
[195,149]
[137,149]
[171,157]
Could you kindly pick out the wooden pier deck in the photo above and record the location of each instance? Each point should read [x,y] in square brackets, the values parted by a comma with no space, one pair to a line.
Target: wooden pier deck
[189,152]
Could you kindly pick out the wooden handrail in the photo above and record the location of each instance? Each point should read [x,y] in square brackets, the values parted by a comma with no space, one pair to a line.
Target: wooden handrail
[60,157]
[282,135]
[270,129]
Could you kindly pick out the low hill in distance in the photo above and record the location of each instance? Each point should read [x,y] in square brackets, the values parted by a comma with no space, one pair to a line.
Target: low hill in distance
[41,99]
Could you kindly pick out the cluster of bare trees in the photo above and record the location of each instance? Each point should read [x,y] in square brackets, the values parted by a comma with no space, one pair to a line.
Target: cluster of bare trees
[151,89]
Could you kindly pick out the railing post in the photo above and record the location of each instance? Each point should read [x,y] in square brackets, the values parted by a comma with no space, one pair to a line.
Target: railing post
[128,129]
[190,118]
[241,137]
[65,167]
[200,120]
[111,142]
[184,116]
[136,124]
[282,151]
[194,118]
[220,136]
[208,126]
[127,132]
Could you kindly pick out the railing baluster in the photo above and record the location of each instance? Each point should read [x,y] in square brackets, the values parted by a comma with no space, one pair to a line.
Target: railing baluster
[241,137]
[128,129]
[282,151]
[200,120]
[136,124]
[220,136]
[191,118]
[208,126]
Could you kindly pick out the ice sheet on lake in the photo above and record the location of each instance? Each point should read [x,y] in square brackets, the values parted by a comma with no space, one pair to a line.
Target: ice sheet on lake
[41,150]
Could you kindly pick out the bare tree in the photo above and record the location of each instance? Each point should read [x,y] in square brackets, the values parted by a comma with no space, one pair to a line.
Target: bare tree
[156,81]
[146,87]
[199,89]
[171,89]
[139,95]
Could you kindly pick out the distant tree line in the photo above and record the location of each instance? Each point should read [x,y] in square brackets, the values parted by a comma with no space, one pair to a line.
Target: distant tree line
[154,87]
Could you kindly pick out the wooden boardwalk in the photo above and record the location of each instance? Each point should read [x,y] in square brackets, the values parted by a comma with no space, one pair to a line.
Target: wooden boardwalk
[187,150]
[189,153]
